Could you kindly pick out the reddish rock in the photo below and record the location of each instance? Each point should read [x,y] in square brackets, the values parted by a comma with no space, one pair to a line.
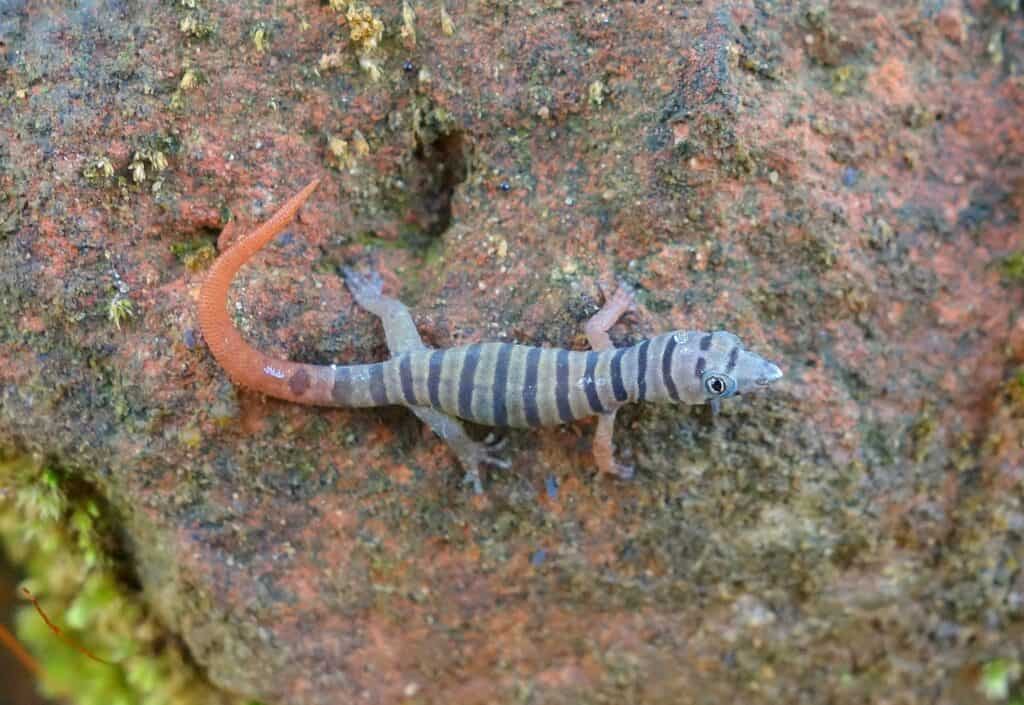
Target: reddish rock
[837,186]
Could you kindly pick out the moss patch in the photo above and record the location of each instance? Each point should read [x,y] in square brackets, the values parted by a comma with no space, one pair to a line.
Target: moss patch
[59,534]
[1013,267]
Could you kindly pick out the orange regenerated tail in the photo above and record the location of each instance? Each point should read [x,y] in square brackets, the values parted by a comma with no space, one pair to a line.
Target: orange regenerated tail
[247,366]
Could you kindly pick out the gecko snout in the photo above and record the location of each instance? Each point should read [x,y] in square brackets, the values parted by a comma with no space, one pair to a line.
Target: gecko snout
[770,373]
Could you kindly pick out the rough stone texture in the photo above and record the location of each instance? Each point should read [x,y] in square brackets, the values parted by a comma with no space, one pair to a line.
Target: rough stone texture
[841,186]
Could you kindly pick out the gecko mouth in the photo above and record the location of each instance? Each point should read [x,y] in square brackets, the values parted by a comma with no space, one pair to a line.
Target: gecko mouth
[772,373]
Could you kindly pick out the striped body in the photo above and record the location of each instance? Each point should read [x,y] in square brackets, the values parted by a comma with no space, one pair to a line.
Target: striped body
[503,384]
[494,384]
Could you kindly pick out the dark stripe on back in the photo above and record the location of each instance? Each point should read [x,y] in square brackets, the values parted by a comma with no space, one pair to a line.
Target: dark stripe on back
[699,369]
[341,392]
[500,408]
[641,371]
[405,375]
[590,384]
[705,342]
[666,368]
[618,388]
[378,392]
[733,355]
[530,409]
[466,378]
[434,378]
[562,386]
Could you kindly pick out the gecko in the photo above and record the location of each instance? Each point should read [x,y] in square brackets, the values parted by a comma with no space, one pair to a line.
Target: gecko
[489,383]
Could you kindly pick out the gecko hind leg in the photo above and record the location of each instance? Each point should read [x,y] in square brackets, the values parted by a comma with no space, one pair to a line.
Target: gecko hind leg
[402,336]
[615,307]
[471,454]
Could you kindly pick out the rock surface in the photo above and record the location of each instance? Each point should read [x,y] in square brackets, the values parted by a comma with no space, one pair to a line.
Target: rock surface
[841,187]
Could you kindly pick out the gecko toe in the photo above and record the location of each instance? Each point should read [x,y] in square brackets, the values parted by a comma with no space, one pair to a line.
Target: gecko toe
[495,442]
[618,295]
[495,462]
[472,477]
[488,452]
[625,297]
[477,456]
[363,286]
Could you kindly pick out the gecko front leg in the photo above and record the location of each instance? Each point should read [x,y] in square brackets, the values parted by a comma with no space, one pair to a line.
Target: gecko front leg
[402,336]
[597,333]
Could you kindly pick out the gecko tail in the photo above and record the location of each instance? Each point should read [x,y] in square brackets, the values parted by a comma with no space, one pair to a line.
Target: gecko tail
[244,364]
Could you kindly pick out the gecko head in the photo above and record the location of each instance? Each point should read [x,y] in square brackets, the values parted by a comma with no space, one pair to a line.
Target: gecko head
[709,367]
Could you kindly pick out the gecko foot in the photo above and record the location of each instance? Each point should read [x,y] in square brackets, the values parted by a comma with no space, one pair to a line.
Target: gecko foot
[473,456]
[622,300]
[622,294]
[624,472]
[365,288]
[615,307]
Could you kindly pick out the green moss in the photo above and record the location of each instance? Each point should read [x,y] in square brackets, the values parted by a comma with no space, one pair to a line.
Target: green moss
[1012,267]
[98,170]
[195,254]
[846,79]
[197,25]
[119,310]
[1015,388]
[997,678]
[260,36]
[58,533]
[921,433]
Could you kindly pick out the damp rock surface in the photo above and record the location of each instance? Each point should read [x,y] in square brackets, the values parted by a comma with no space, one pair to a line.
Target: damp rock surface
[841,186]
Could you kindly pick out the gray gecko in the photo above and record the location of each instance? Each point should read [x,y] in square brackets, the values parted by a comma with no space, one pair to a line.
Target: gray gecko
[494,384]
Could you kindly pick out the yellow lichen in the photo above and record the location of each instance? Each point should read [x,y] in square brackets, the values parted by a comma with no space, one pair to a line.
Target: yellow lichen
[447,26]
[341,157]
[138,170]
[370,66]
[260,37]
[189,80]
[156,160]
[98,168]
[190,437]
[333,60]
[408,31]
[188,24]
[364,29]
[359,143]
[195,25]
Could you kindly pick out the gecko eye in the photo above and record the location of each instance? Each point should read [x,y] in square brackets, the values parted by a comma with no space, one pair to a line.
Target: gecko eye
[719,386]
